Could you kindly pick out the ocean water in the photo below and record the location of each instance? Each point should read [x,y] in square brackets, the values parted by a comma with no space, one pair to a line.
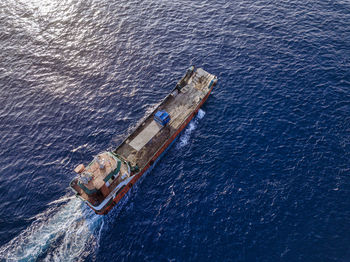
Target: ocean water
[261,174]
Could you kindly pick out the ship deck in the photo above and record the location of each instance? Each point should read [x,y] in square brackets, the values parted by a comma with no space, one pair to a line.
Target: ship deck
[140,147]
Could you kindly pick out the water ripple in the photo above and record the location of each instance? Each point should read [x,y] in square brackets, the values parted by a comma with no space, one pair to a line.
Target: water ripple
[262,177]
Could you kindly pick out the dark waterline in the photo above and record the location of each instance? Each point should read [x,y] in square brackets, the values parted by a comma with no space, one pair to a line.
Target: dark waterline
[263,176]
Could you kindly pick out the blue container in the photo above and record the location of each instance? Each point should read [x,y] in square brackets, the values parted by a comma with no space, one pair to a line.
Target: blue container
[162,117]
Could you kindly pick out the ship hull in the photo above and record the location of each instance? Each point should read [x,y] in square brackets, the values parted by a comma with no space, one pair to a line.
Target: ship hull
[114,201]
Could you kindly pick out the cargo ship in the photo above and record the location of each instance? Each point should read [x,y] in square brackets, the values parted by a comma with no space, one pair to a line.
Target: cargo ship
[111,174]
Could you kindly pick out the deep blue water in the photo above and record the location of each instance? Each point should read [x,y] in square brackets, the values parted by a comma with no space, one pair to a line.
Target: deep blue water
[262,176]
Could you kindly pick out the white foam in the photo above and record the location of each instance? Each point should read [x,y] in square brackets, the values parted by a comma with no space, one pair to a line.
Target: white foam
[57,235]
[200,114]
[61,200]
[185,137]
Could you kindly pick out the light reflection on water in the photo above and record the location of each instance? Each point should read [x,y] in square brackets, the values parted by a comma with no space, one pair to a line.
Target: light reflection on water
[75,76]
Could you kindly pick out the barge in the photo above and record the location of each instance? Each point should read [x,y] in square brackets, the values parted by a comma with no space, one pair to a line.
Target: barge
[110,175]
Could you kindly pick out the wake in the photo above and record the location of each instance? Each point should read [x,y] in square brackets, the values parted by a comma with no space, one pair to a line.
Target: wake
[59,234]
[68,230]
[185,137]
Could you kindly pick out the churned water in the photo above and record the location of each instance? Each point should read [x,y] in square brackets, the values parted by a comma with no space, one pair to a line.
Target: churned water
[262,175]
